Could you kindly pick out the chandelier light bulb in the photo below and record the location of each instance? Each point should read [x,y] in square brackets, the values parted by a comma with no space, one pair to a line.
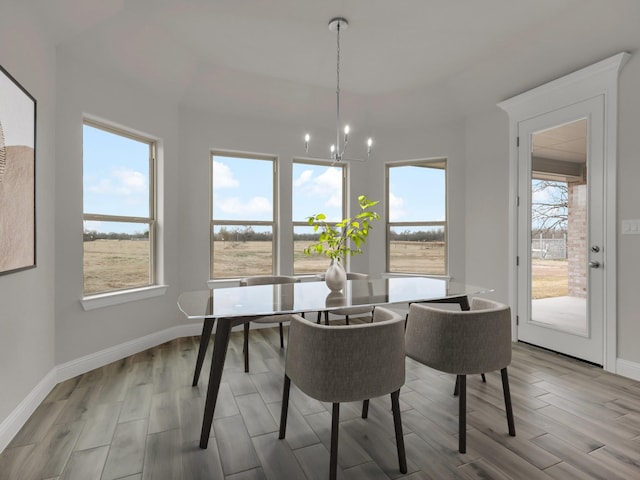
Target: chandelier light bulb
[333,148]
[307,138]
[346,130]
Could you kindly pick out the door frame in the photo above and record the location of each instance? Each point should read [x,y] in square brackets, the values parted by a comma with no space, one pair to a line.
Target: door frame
[598,79]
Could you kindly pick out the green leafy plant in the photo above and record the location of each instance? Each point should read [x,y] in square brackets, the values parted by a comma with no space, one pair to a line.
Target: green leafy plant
[345,237]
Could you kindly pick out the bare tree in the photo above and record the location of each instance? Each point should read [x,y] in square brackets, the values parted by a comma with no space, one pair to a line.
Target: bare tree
[549,205]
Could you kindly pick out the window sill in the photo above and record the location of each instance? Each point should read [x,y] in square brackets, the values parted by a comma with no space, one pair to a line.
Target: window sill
[116,298]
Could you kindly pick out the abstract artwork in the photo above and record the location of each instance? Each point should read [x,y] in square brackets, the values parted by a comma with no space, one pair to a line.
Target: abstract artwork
[17,176]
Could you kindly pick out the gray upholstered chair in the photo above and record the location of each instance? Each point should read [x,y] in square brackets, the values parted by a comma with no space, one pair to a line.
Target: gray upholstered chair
[280,319]
[462,343]
[349,310]
[335,363]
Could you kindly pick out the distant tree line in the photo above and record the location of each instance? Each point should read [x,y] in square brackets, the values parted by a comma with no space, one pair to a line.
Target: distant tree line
[91,235]
[418,236]
[248,234]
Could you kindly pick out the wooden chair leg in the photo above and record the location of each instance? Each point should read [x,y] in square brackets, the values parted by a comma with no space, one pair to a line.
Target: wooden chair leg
[462,414]
[397,423]
[245,347]
[281,336]
[365,408]
[346,319]
[326,317]
[507,402]
[319,318]
[333,462]
[285,407]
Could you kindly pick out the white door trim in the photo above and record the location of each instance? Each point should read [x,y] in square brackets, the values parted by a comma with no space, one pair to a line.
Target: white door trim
[598,79]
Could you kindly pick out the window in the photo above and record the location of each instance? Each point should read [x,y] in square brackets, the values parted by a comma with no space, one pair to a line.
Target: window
[317,188]
[242,215]
[119,209]
[417,217]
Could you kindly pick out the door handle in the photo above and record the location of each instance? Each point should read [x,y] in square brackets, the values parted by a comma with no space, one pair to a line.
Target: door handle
[594,264]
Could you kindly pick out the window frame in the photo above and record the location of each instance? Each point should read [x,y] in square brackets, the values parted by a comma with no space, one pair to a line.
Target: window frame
[304,223]
[151,221]
[427,162]
[273,223]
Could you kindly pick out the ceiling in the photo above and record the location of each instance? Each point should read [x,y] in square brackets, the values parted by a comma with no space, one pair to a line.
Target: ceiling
[406,62]
[565,143]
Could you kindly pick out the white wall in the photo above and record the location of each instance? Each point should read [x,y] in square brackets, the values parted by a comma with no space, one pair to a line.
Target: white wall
[629,208]
[85,89]
[487,202]
[27,297]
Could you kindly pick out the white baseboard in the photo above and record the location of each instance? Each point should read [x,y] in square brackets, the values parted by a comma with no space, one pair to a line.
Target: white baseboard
[89,362]
[628,369]
[11,425]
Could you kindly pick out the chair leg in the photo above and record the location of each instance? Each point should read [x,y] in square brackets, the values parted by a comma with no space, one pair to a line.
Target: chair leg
[397,423]
[285,407]
[326,317]
[507,402]
[245,347]
[333,462]
[281,336]
[456,389]
[319,318]
[462,414]
[346,319]
[365,408]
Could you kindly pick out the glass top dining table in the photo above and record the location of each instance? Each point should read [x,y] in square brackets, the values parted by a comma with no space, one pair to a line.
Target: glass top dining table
[238,305]
[314,296]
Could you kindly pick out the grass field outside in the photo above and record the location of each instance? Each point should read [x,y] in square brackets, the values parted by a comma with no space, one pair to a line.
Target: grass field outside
[119,264]
[115,265]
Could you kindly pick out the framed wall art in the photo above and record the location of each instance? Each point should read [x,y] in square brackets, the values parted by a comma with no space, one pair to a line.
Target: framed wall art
[17,176]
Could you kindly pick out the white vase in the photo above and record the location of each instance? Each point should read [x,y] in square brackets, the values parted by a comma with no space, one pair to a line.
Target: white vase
[335,277]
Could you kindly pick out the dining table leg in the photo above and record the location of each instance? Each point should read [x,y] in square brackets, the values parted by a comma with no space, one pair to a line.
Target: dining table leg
[207,328]
[220,344]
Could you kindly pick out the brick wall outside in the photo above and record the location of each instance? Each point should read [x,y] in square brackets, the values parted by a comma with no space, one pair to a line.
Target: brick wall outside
[577,239]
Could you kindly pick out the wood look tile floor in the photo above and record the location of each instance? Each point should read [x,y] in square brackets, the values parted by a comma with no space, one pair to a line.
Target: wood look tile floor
[139,418]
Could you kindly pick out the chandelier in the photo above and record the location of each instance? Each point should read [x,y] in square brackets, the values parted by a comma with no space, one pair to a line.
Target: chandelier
[337,150]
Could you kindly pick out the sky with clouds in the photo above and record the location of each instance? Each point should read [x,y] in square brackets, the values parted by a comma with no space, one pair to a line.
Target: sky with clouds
[116,179]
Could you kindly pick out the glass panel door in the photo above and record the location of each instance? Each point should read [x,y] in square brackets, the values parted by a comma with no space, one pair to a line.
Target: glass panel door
[559,227]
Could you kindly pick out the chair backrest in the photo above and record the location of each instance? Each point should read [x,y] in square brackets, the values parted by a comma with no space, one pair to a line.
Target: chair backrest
[357,276]
[381,314]
[267,280]
[346,363]
[460,342]
[350,276]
